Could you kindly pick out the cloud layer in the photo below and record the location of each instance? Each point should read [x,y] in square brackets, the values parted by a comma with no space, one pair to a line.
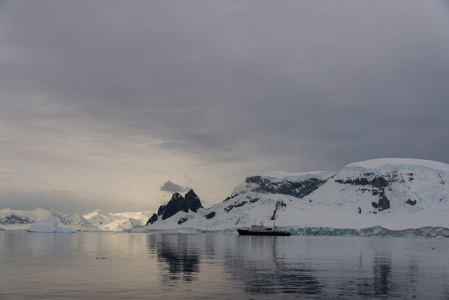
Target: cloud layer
[104,102]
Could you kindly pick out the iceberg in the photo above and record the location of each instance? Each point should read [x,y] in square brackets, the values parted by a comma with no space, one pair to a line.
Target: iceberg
[49,225]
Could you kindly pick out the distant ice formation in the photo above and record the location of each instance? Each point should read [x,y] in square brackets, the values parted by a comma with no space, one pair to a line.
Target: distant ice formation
[50,224]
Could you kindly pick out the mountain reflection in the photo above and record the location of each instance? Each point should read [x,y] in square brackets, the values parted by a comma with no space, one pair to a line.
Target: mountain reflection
[382,275]
[320,267]
[180,255]
[264,269]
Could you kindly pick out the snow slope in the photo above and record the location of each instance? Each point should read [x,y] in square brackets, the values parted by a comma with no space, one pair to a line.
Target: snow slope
[395,194]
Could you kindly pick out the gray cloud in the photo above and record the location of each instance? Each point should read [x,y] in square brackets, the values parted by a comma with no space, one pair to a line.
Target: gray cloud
[173,187]
[232,87]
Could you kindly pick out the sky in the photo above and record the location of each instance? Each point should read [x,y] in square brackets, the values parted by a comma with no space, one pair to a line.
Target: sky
[118,104]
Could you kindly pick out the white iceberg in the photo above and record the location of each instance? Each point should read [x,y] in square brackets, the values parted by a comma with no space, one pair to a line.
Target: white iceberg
[49,225]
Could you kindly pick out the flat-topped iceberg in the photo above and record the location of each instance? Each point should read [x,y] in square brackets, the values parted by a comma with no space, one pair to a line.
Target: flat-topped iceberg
[49,225]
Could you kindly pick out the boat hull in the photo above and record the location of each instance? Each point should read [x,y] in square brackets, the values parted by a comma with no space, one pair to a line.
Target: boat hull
[264,233]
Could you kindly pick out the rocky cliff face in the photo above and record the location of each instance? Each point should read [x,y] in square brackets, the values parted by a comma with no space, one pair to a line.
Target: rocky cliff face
[193,202]
[297,189]
[176,204]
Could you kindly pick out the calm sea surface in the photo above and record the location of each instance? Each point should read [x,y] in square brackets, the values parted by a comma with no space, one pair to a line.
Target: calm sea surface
[221,266]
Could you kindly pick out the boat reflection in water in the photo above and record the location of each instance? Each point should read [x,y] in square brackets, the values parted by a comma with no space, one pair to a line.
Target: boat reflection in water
[262,230]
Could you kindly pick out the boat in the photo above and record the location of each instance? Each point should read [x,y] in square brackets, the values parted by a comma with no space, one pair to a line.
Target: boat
[262,230]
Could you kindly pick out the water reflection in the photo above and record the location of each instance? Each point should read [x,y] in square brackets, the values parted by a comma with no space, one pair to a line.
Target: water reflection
[381,274]
[56,266]
[265,268]
[178,252]
[308,266]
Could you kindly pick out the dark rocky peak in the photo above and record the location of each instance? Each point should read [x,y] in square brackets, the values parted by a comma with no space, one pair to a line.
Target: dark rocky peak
[176,197]
[176,204]
[193,201]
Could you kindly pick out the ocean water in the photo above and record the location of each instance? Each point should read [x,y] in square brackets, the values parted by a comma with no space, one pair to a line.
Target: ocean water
[101,265]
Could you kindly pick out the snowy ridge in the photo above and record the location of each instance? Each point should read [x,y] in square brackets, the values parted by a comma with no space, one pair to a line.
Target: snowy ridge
[279,176]
[384,164]
[95,221]
[389,197]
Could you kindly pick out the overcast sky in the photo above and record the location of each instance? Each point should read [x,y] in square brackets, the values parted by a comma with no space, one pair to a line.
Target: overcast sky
[117,104]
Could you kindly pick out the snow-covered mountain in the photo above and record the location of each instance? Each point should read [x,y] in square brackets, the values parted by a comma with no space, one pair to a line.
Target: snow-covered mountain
[117,221]
[95,221]
[258,198]
[395,194]
[22,219]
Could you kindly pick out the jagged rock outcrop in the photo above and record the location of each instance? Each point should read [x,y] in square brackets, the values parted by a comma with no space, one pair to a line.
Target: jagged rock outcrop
[193,202]
[153,219]
[176,204]
[297,189]
[296,185]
